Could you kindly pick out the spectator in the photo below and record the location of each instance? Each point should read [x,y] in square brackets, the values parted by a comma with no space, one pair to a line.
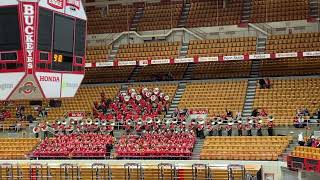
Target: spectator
[267,83]
[310,141]
[229,113]
[262,83]
[306,112]
[255,112]
[300,139]
[298,122]
[318,116]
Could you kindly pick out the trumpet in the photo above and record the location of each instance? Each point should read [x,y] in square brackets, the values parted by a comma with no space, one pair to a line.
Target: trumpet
[89,121]
[97,122]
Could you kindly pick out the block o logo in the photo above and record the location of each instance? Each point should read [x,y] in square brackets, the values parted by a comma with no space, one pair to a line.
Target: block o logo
[58,4]
[27,88]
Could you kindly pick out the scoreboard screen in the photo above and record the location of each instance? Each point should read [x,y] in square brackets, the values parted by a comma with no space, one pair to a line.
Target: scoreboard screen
[9,29]
[68,38]
[63,33]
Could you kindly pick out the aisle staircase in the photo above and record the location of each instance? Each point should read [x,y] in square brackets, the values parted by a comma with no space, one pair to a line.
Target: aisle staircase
[261,44]
[135,73]
[113,53]
[251,89]
[176,99]
[184,15]
[136,19]
[184,49]
[188,73]
[313,8]
[246,11]
[288,150]
[197,149]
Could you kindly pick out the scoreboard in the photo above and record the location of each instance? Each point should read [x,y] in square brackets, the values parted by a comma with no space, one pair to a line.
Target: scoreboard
[42,48]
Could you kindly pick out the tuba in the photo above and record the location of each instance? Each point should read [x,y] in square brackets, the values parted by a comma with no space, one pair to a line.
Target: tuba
[103,122]
[97,122]
[149,120]
[88,121]
[138,97]
[64,122]
[36,130]
[153,98]
[126,98]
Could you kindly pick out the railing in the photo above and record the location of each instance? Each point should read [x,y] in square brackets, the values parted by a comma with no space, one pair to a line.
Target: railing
[265,27]
[199,32]
[128,171]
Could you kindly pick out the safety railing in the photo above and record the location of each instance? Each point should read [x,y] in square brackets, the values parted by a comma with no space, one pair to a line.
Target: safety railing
[128,171]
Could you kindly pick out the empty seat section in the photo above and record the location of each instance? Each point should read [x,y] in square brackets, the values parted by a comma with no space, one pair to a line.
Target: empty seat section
[286,96]
[224,69]
[299,42]
[16,148]
[306,152]
[244,148]
[161,72]
[160,16]
[108,74]
[97,53]
[290,66]
[205,13]
[116,18]
[83,100]
[219,47]
[148,50]
[280,10]
[215,96]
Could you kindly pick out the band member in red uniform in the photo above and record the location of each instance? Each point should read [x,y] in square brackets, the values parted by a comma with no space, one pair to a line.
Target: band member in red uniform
[270,126]
[249,128]
[219,128]
[240,128]
[200,129]
[210,128]
[259,128]
[229,128]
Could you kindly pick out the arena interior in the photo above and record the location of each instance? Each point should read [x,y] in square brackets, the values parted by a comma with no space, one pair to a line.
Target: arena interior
[159,89]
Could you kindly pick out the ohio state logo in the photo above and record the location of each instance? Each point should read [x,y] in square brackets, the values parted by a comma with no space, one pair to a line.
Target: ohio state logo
[27,88]
[58,4]
[74,3]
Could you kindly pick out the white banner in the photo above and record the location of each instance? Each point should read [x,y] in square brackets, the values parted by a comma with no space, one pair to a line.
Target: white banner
[311,53]
[208,59]
[70,84]
[88,65]
[143,62]
[50,84]
[8,81]
[160,61]
[228,58]
[259,56]
[285,55]
[104,64]
[127,63]
[183,60]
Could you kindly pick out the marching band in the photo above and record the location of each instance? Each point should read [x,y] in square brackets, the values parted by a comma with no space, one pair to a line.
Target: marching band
[139,111]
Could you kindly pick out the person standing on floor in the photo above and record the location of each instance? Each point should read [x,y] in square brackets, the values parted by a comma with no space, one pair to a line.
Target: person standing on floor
[270,125]
[301,139]
[239,127]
